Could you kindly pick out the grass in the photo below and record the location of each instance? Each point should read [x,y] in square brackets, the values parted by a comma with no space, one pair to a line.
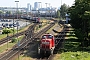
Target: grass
[3,48]
[23,57]
[75,56]
[72,49]
[71,35]
[72,42]
[21,30]
[71,46]
[3,36]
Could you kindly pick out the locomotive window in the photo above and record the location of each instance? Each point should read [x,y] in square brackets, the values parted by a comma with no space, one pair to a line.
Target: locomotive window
[49,36]
[43,37]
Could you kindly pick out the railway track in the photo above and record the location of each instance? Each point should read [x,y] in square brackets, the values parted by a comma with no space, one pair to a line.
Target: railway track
[59,40]
[19,49]
[2,41]
[30,30]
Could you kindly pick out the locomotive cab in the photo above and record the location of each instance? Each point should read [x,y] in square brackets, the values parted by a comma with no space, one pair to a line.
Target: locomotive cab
[47,44]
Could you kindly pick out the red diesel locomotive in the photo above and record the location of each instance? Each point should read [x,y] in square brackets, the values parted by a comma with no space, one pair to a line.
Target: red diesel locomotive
[47,44]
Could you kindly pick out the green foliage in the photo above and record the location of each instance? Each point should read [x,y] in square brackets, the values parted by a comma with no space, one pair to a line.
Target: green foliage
[13,30]
[7,30]
[79,34]
[14,40]
[58,13]
[80,17]
[75,56]
[78,13]
[8,12]
[63,10]
[18,12]
[1,12]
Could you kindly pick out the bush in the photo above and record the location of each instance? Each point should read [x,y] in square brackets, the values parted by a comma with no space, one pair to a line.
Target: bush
[13,30]
[14,40]
[6,31]
[79,34]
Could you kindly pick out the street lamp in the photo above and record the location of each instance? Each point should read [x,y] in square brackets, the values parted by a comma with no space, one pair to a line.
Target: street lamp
[41,8]
[17,26]
[17,17]
[38,10]
[51,12]
[46,9]
[17,8]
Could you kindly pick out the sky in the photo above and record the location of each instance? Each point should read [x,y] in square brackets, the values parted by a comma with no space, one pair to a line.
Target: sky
[23,3]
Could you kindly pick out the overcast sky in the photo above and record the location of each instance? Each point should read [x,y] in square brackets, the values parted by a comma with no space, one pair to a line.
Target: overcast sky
[23,3]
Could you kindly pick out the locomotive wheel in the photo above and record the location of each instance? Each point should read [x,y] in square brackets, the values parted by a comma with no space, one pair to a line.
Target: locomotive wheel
[38,51]
[51,52]
[41,52]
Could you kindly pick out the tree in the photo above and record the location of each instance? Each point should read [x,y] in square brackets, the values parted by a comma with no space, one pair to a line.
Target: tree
[8,12]
[1,12]
[63,10]
[18,12]
[80,17]
[58,13]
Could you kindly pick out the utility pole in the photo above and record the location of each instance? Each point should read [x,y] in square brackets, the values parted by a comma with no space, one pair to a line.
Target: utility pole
[39,10]
[17,26]
[49,10]
[17,17]
[17,8]
[46,9]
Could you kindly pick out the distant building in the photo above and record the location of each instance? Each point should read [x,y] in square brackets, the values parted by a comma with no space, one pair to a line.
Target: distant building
[36,6]
[13,9]
[29,8]
[49,11]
